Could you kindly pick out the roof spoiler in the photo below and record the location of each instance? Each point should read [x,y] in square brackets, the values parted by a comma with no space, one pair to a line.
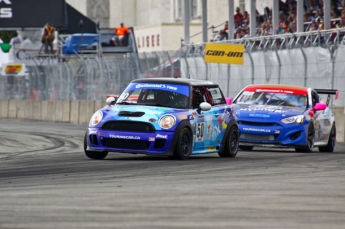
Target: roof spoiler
[328,92]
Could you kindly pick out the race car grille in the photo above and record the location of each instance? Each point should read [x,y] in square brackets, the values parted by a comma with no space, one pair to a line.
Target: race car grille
[258,123]
[129,126]
[125,143]
[259,137]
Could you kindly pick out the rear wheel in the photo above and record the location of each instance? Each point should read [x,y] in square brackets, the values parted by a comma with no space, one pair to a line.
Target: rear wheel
[183,147]
[331,141]
[310,140]
[231,143]
[247,148]
[98,155]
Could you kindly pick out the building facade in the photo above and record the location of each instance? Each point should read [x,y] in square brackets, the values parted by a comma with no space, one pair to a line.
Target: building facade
[158,24]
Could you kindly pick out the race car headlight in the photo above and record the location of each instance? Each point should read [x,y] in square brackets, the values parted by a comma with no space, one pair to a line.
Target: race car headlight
[167,121]
[296,119]
[96,118]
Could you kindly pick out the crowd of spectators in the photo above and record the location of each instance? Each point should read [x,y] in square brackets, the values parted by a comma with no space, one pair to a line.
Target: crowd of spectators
[313,18]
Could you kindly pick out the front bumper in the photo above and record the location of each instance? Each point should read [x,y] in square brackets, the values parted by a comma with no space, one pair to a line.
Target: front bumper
[273,134]
[154,143]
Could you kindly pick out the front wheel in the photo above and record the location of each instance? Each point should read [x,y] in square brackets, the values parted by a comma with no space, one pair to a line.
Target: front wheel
[97,155]
[183,147]
[310,140]
[231,143]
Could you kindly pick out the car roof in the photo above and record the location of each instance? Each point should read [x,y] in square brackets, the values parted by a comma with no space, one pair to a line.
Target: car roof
[185,81]
[278,86]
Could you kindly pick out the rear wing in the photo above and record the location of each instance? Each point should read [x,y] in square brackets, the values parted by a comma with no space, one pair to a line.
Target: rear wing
[328,92]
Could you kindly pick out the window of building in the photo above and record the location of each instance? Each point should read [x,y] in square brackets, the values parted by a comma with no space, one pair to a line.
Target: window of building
[193,7]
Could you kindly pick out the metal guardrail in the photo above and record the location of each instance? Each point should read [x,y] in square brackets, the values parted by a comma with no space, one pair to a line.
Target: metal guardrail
[91,77]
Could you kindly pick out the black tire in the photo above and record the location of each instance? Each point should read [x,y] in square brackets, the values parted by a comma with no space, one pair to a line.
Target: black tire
[97,155]
[246,148]
[183,147]
[331,141]
[231,143]
[310,140]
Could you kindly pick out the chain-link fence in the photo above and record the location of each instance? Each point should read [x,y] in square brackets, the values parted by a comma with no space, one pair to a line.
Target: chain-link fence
[314,59]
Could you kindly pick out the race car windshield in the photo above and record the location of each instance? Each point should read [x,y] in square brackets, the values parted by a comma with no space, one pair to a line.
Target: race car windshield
[155,97]
[273,99]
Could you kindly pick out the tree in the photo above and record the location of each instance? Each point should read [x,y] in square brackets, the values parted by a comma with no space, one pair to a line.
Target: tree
[6,36]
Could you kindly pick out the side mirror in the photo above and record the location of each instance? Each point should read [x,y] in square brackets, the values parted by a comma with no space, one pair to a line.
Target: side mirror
[110,101]
[320,106]
[204,106]
[228,101]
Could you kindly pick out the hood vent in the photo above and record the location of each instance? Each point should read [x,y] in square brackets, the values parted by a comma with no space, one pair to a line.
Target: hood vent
[131,114]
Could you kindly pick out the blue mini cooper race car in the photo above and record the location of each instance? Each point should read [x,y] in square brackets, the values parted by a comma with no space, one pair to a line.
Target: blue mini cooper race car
[164,116]
[275,115]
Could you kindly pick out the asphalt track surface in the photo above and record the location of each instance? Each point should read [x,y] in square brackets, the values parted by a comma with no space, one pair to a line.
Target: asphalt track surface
[46,181]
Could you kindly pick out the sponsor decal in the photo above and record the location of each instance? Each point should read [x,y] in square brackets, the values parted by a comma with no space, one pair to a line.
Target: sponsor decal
[277,132]
[211,148]
[277,90]
[256,129]
[146,85]
[182,116]
[151,139]
[215,132]
[263,108]
[259,115]
[13,69]
[124,137]
[162,136]
[224,53]
[209,126]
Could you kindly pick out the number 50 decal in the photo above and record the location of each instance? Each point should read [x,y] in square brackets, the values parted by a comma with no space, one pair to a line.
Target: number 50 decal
[200,130]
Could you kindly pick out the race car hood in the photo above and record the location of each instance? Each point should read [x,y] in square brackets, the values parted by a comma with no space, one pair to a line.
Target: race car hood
[245,111]
[150,114]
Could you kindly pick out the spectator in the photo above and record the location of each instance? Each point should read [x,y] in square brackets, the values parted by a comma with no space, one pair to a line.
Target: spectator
[15,39]
[226,26]
[48,36]
[26,40]
[244,33]
[341,23]
[245,18]
[222,35]
[293,27]
[238,34]
[121,33]
[238,17]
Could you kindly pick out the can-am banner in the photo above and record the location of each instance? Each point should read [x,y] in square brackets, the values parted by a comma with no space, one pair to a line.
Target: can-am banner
[32,13]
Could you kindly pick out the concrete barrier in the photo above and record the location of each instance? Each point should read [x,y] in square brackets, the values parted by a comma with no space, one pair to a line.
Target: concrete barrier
[80,112]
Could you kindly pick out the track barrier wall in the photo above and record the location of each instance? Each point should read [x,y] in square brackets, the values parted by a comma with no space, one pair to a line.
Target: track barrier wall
[80,112]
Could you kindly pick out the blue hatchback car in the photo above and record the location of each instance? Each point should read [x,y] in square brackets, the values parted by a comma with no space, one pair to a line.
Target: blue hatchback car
[276,115]
[166,117]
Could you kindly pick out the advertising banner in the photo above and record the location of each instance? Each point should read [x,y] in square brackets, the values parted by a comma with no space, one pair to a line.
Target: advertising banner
[32,13]
[13,69]
[224,53]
